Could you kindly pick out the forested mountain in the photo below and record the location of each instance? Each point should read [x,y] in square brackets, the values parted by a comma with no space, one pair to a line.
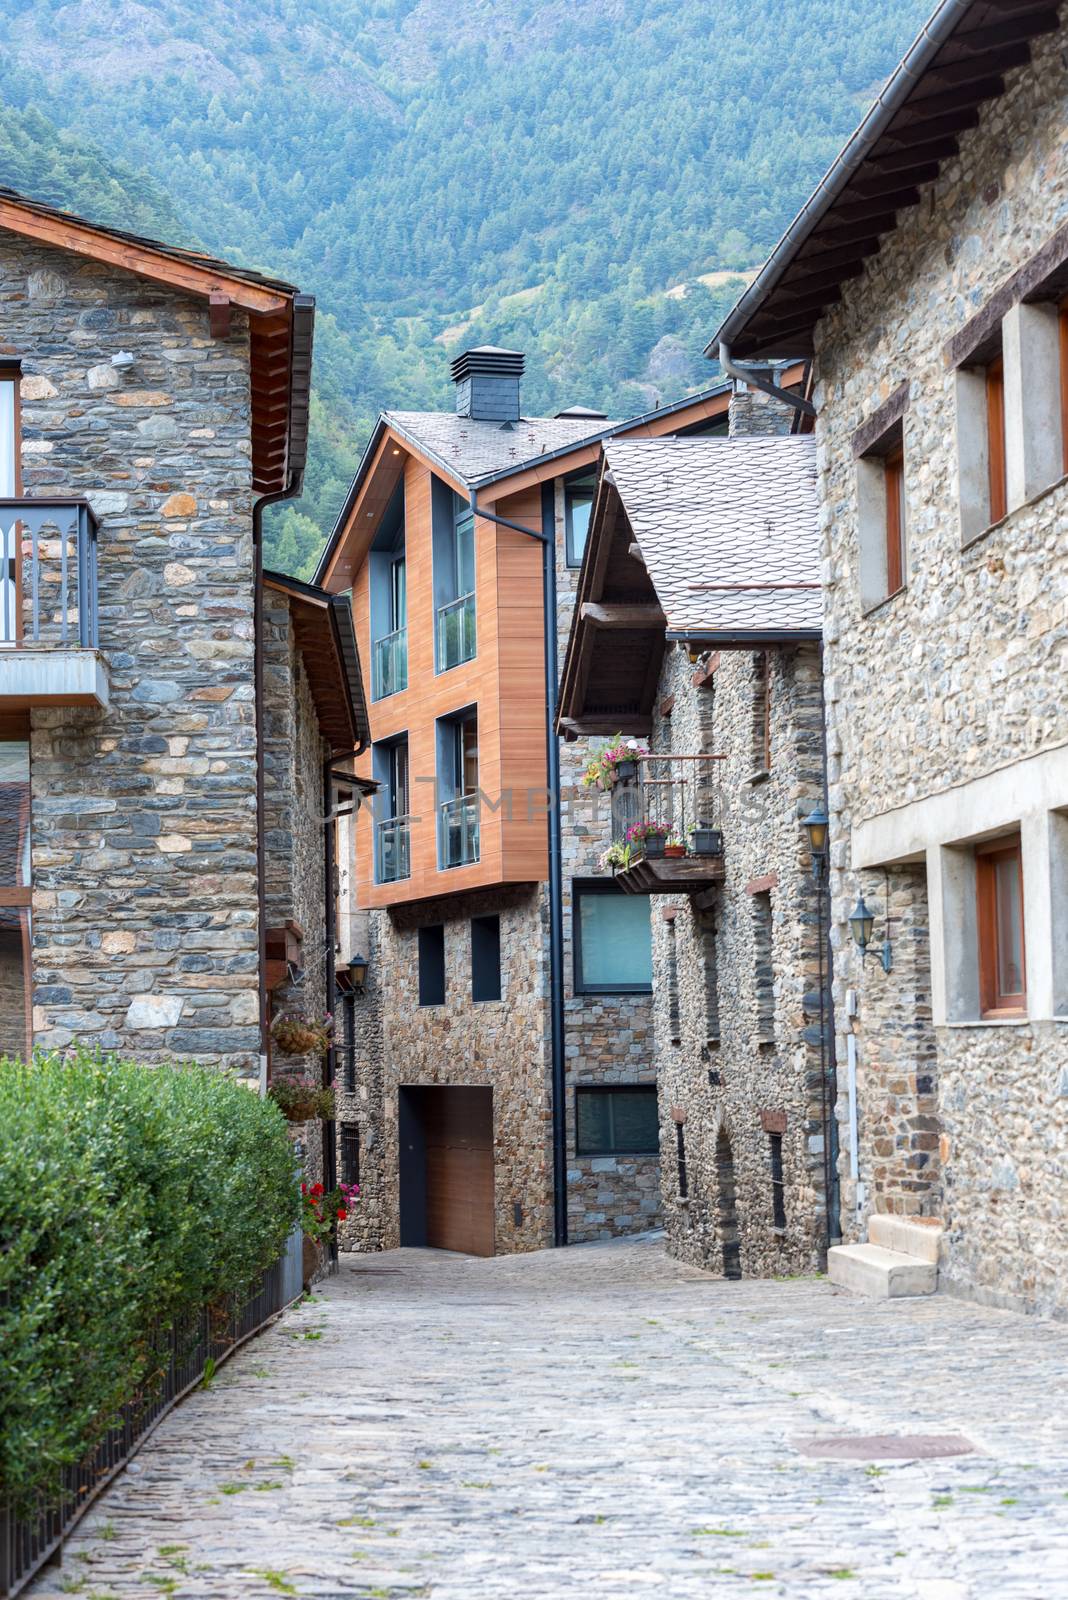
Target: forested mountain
[578,178]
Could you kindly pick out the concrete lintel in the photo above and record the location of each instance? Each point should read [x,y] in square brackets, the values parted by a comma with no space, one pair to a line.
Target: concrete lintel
[45,677]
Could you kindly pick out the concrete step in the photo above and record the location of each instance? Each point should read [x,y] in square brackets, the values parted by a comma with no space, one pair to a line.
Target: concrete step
[912,1236]
[883,1274]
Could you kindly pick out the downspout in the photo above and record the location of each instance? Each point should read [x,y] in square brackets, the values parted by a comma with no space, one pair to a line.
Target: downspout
[834,1198]
[329,976]
[546,535]
[765,385]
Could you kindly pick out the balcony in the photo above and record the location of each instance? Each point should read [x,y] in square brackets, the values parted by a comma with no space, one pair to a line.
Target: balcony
[49,623]
[389,664]
[458,831]
[666,837]
[393,849]
[456,632]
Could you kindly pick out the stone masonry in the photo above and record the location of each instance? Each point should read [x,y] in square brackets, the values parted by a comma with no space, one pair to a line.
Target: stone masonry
[737,1023]
[144,817]
[943,690]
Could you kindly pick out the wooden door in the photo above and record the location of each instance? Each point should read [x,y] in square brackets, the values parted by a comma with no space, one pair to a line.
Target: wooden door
[456,1125]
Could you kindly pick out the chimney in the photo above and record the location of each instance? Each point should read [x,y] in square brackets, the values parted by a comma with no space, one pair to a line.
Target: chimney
[487,384]
[752,413]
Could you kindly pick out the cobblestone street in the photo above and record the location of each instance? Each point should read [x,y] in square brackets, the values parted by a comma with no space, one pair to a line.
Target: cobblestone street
[597,1422]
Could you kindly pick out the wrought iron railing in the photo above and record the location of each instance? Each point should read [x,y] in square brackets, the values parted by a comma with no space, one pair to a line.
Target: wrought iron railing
[393,849]
[30,1535]
[389,664]
[456,632]
[458,831]
[48,573]
[678,795]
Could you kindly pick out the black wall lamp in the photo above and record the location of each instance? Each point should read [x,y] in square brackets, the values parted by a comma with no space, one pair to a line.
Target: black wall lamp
[358,971]
[862,926]
[815,825]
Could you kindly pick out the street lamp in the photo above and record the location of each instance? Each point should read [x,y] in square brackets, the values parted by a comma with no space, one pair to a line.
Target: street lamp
[815,825]
[358,971]
[862,925]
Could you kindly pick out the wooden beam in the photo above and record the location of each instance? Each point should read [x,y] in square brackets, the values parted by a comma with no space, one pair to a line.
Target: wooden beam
[594,727]
[873,213]
[600,615]
[80,238]
[1023,26]
[880,186]
[956,73]
[902,160]
[219,314]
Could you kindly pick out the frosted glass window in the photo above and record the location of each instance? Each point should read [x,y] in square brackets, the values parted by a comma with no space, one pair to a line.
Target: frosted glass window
[613,941]
[7,439]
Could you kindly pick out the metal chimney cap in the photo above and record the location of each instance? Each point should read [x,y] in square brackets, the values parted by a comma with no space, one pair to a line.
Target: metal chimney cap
[488,361]
[582,414]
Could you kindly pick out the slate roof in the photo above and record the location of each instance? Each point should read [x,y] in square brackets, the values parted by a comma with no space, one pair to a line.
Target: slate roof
[728,530]
[472,449]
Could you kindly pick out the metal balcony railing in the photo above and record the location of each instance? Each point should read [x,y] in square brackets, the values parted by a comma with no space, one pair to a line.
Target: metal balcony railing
[458,831]
[48,573]
[389,664]
[678,795]
[456,632]
[393,849]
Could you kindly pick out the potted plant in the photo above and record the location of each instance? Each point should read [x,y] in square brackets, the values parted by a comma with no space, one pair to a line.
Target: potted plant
[320,1212]
[674,847]
[648,836]
[296,1035]
[300,1097]
[618,857]
[705,840]
[613,762]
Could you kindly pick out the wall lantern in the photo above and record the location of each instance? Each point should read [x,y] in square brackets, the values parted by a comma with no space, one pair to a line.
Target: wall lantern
[862,925]
[815,825]
[358,971]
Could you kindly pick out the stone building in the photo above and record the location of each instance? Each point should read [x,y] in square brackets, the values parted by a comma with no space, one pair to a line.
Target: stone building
[699,623]
[938,334]
[169,719]
[503,1094]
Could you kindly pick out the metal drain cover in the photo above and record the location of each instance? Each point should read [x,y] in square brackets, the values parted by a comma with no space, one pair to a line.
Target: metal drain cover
[884,1446]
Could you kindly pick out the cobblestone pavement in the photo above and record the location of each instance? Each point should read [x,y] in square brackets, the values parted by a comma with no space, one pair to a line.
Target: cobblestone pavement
[594,1423]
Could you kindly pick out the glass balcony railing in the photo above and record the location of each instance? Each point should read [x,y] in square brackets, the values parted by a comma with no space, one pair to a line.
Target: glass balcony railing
[456,632]
[389,669]
[393,849]
[458,831]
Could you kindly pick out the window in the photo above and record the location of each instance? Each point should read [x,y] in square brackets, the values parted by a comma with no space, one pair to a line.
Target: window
[981,461]
[613,945]
[761,713]
[706,929]
[485,958]
[9,432]
[432,965]
[1062,327]
[347,1047]
[393,857]
[674,1016]
[578,508]
[350,1152]
[763,969]
[881,519]
[994,379]
[388,586]
[458,804]
[454,577]
[1002,968]
[616,1121]
[15,969]
[680,1160]
[778,1188]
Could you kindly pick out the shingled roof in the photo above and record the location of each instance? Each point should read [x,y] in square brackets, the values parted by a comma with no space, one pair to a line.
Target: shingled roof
[472,449]
[957,62]
[708,541]
[727,530]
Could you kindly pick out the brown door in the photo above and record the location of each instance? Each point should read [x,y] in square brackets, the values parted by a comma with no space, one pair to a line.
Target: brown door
[456,1128]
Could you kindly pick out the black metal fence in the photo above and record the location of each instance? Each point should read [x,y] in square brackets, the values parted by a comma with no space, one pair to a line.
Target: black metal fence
[28,1538]
[48,572]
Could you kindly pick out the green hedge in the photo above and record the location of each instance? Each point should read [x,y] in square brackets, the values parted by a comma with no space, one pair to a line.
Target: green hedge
[129,1195]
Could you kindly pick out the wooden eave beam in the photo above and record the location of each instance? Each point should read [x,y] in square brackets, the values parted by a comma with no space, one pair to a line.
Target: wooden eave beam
[955,74]
[636,617]
[869,184]
[909,129]
[905,159]
[846,213]
[1021,27]
[67,233]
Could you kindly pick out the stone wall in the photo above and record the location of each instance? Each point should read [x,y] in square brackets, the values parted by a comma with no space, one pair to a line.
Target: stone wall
[947,684]
[144,816]
[727,1077]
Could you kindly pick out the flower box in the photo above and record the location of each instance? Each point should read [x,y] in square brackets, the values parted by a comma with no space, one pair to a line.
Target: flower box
[706,842]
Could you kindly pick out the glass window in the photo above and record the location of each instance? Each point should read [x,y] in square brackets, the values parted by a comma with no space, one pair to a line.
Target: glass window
[14,897]
[8,472]
[613,940]
[616,1121]
[578,505]
[1002,962]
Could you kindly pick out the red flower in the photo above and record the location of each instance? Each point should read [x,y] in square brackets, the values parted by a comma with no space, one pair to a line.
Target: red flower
[304,1188]
[342,1214]
[317,1189]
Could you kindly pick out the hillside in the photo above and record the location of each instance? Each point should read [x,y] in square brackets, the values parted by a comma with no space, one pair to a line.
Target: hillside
[574,177]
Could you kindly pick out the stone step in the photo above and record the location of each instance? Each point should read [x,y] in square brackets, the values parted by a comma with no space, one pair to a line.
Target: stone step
[883,1274]
[912,1236]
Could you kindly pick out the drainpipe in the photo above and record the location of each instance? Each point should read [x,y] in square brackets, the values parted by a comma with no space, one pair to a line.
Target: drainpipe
[290,492]
[755,380]
[546,535]
[830,1067]
[329,976]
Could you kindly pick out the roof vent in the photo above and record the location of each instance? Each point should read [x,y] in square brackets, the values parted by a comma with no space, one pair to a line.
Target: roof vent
[582,414]
[487,384]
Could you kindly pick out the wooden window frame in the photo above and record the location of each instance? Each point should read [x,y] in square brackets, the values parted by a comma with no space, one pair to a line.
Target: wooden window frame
[894,477]
[995,438]
[1062,322]
[992,1001]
